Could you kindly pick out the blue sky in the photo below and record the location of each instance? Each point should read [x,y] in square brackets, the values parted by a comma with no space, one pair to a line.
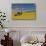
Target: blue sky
[24,7]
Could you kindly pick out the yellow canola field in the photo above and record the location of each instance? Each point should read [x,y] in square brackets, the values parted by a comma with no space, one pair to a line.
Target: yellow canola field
[24,16]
